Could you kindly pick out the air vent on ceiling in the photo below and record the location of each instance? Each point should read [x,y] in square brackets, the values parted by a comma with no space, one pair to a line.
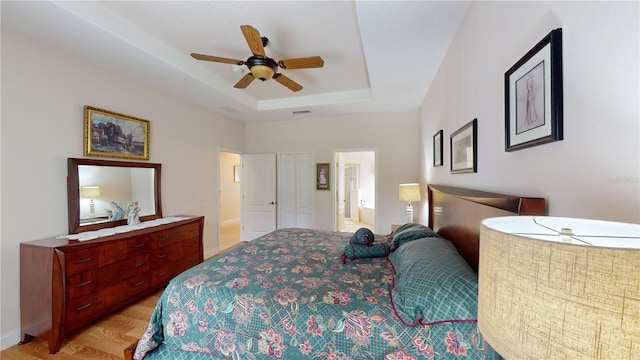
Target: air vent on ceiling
[229,109]
[298,112]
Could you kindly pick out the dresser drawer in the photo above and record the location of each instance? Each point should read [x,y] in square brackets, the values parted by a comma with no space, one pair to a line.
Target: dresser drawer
[185,231]
[79,311]
[122,270]
[175,252]
[162,274]
[170,237]
[79,261]
[137,284]
[81,284]
[138,244]
[160,239]
[189,246]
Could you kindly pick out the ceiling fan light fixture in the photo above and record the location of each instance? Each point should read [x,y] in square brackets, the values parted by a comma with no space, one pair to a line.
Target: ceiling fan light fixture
[262,72]
[262,68]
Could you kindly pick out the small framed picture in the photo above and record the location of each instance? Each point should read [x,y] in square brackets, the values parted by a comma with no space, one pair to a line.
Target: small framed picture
[533,96]
[110,134]
[322,176]
[236,173]
[437,149]
[464,149]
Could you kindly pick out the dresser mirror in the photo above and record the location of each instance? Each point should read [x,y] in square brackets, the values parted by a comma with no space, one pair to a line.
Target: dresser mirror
[99,192]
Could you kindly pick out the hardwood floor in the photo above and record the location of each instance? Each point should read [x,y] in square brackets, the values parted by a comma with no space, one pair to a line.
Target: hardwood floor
[105,339]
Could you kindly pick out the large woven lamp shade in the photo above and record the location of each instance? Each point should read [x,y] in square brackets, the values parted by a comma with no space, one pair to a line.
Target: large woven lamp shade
[559,288]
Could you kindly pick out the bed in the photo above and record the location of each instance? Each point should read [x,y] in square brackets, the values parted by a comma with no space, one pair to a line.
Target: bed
[288,295]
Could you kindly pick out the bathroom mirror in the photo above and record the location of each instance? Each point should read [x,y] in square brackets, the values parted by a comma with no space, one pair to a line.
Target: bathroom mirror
[99,191]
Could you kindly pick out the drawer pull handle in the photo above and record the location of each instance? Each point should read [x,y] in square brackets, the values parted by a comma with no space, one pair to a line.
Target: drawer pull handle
[193,245]
[162,238]
[83,260]
[84,283]
[83,306]
[139,283]
[138,246]
[161,256]
[162,274]
[139,264]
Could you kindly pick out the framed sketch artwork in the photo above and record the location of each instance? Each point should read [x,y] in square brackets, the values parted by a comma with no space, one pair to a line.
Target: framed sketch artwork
[533,95]
[322,176]
[437,149]
[464,149]
[110,134]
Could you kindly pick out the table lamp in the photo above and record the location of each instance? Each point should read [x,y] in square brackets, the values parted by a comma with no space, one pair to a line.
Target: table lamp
[409,193]
[90,192]
[559,288]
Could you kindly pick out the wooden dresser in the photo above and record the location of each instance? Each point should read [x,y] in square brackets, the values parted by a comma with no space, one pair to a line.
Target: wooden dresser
[67,284]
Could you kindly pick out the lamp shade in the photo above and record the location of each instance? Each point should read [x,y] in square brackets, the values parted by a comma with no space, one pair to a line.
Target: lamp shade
[409,192]
[89,192]
[559,288]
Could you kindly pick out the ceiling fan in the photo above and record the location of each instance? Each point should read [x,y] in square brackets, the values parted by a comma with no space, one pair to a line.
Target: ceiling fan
[261,66]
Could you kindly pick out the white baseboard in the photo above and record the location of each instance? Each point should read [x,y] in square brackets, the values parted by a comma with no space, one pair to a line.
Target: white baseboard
[9,339]
[229,222]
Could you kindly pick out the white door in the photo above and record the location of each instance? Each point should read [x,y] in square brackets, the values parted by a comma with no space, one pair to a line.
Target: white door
[295,191]
[258,195]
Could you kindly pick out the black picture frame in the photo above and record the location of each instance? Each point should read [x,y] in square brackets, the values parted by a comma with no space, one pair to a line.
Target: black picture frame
[437,149]
[322,176]
[533,96]
[464,148]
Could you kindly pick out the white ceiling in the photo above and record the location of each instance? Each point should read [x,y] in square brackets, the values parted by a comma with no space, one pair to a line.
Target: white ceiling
[378,55]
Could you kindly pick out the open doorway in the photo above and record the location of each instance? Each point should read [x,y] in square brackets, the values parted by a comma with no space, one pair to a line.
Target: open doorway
[355,190]
[230,200]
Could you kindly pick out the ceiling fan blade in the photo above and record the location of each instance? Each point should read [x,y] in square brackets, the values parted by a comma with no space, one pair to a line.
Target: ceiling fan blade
[216,59]
[302,63]
[244,82]
[253,39]
[292,85]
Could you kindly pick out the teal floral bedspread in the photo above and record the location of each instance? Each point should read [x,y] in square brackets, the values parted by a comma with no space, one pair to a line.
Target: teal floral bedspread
[287,295]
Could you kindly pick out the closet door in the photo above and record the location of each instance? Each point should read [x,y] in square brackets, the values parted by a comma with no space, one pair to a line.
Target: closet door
[295,191]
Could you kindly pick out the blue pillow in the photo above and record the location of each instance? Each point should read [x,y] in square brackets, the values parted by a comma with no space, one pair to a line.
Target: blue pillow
[362,236]
[433,283]
[409,232]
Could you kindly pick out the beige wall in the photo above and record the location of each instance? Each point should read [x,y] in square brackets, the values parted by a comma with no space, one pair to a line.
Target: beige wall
[43,94]
[229,190]
[594,171]
[393,136]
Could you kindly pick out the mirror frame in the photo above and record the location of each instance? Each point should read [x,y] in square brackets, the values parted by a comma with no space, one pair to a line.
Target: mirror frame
[73,193]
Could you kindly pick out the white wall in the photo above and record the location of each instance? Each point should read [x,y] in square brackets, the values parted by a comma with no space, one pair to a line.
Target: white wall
[594,171]
[43,94]
[229,190]
[394,136]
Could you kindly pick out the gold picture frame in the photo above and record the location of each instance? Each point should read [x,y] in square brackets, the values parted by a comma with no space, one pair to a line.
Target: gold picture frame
[109,134]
